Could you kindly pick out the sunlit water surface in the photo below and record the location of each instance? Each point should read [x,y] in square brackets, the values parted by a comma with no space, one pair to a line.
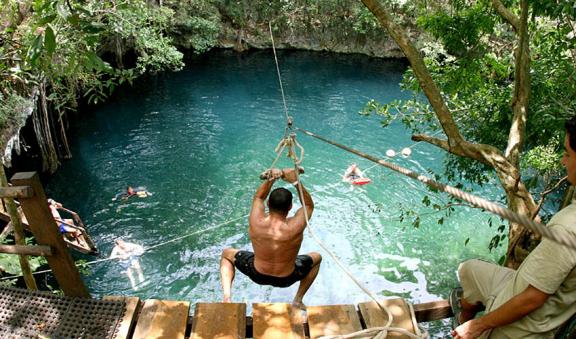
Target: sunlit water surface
[199,138]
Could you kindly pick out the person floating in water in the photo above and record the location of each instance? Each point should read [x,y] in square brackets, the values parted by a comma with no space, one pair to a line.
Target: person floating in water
[66,226]
[276,240]
[129,254]
[130,192]
[352,173]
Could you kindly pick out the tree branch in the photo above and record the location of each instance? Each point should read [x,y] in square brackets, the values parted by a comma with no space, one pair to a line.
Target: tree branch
[427,84]
[545,193]
[521,92]
[507,14]
[485,154]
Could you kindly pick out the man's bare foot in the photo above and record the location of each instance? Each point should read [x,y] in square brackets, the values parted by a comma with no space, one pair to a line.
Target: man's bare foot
[227,299]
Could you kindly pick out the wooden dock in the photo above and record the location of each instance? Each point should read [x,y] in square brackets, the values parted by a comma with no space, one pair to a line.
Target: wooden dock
[170,319]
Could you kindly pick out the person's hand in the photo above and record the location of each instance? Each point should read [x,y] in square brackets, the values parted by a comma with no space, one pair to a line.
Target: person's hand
[290,175]
[468,330]
[272,174]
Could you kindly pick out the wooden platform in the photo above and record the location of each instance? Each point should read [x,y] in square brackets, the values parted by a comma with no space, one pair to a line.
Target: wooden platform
[170,319]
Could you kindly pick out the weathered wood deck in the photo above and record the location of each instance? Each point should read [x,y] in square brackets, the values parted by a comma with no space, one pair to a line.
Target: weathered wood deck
[169,319]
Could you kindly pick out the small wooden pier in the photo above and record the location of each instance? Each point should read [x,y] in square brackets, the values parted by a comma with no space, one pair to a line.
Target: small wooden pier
[169,319]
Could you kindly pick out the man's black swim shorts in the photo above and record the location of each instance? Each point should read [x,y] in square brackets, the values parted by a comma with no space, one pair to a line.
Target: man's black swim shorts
[244,261]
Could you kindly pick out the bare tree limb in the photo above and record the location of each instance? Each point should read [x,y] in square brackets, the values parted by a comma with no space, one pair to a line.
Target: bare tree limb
[545,193]
[507,14]
[485,154]
[521,92]
[427,84]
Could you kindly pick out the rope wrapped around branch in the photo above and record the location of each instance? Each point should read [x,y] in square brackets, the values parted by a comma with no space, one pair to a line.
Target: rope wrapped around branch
[379,332]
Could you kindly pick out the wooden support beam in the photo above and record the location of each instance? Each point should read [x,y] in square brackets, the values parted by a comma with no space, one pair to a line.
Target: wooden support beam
[16,192]
[26,250]
[434,310]
[46,233]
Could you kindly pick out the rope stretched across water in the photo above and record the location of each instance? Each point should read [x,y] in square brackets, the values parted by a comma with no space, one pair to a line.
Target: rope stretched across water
[149,248]
[290,142]
[380,332]
[472,199]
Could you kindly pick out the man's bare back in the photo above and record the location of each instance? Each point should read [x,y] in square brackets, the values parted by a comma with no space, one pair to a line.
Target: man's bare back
[276,240]
[276,243]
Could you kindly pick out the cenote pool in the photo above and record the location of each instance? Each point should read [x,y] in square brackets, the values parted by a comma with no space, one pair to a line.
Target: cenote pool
[199,138]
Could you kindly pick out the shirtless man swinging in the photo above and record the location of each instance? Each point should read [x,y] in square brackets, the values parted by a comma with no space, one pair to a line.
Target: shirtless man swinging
[276,240]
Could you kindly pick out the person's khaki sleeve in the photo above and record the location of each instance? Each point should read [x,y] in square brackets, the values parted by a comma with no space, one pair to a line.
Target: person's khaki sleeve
[545,274]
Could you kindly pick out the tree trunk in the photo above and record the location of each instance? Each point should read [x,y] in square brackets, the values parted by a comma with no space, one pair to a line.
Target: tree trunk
[507,163]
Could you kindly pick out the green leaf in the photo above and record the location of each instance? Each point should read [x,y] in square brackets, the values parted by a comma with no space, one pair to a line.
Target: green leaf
[416,222]
[466,242]
[46,20]
[93,61]
[35,49]
[49,40]
[426,200]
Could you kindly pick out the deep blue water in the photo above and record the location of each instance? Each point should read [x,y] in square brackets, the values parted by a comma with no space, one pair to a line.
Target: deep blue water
[199,138]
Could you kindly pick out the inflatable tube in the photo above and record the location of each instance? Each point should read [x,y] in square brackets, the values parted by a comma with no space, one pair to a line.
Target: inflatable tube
[361,181]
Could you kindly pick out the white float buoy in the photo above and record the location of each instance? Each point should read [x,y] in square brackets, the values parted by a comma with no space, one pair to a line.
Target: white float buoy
[390,153]
[406,152]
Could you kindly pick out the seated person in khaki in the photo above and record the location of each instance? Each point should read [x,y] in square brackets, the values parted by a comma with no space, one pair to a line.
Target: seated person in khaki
[534,300]
[276,240]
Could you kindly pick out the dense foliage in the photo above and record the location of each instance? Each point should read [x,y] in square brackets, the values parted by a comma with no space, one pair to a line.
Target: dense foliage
[500,77]
[471,58]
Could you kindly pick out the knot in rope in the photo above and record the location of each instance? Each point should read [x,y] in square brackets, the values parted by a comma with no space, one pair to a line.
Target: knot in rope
[290,143]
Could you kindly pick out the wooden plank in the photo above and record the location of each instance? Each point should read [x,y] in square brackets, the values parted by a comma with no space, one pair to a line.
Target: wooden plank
[126,328]
[26,250]
[277,321]
[332,320]
[16,192]
[219,320]
[434,310]
[46,233]
[162,319]
[376,317]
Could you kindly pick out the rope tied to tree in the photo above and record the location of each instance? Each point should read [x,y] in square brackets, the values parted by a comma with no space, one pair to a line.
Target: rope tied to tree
[459,194]
[380,332]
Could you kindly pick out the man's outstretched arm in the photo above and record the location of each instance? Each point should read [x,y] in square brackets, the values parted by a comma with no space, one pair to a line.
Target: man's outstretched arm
[514,309]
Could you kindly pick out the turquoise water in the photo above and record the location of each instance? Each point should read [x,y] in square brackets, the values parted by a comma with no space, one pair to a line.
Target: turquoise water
[199,138]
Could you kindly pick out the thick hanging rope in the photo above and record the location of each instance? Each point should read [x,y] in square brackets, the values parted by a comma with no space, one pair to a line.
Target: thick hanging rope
[290,142]
[149,248]
[472,199]
[380,332]
[289,121]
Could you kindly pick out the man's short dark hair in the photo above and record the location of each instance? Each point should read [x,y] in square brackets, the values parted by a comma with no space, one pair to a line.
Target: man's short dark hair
[280,200]
[570,126]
